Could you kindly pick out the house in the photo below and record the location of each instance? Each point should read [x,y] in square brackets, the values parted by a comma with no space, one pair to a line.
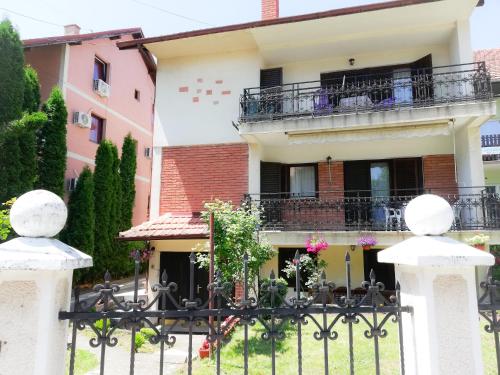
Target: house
[331,122]
[109,93]
[490,131]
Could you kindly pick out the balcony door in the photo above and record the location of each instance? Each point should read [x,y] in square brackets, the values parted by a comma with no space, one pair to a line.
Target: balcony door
[380,187]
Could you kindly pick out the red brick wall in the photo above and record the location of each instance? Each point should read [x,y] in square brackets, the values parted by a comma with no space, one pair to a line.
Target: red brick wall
[439,173]
[270,9]
[192,175]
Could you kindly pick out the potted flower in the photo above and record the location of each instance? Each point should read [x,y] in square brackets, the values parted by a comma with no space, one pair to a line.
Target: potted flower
[367,242]
[315,244]
[478,241]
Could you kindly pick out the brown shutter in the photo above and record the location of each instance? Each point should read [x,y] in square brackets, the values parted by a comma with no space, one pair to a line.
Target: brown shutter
[271,77]
[270,177]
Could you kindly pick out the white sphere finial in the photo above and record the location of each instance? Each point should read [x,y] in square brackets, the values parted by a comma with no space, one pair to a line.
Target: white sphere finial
[38,213]
[429,215]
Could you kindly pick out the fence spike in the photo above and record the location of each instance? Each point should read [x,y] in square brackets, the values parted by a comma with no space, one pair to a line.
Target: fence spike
[372,276]
[192,257]
[347,257]
[164,276]
[323,275]
[398,286]
[297,255]
[107,276]
[271,275]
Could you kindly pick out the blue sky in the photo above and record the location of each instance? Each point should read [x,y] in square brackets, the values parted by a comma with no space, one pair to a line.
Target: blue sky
[155,17]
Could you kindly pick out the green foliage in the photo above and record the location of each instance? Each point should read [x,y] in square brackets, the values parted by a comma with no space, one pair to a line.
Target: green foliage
[52,145]
[310,268]
[79,230]
[234,235]
[31,102]
[264,296]
[128,167]
[148,332]
[103,195]
[11,74]
[140,340]
[5,227]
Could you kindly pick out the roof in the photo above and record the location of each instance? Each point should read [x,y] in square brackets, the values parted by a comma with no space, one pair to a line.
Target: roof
[168,226]
[277,21]
[492,59]
[136,32]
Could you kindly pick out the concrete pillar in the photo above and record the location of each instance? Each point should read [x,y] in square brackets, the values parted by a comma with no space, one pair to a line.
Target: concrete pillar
[35,284]
[437,277]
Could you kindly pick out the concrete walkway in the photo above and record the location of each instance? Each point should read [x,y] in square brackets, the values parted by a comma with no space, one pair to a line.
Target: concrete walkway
[117,359]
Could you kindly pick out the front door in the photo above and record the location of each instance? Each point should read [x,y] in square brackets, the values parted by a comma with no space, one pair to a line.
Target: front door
[176,264]
[384,272]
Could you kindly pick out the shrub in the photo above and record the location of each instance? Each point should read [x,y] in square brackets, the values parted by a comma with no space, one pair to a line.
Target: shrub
[148,332]
[140,340]
[265,298]
[31,90]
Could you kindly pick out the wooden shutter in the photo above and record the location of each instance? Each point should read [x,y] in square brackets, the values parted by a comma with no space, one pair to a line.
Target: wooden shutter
[270,177]
[407,176]
[271,77]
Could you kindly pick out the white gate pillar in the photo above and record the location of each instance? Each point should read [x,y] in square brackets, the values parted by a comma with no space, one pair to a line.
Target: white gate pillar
[437,279]
[35,284]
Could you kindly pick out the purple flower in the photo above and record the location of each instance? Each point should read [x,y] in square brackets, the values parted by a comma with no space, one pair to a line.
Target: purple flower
[367,240]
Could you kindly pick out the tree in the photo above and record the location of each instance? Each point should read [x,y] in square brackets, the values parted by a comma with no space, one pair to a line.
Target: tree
[104,193]
[52,144]
[235,235]
[119,260]
[128,167]
[79,230]
[31,101]
[11,74]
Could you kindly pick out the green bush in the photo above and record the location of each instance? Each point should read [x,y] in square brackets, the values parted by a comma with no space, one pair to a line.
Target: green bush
[148,332]
[265,298]
[140,340]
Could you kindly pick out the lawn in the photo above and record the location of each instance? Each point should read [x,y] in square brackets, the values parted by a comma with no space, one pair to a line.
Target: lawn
[85,361]
[312,358]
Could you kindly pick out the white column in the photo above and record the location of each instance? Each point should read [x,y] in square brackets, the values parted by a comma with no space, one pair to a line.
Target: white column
[437,277]
[35,284]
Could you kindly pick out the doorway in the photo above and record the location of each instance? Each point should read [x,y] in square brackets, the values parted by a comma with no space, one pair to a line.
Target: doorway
[384,272]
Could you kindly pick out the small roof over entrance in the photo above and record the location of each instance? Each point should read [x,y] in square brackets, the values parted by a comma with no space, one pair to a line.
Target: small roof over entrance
[167,227]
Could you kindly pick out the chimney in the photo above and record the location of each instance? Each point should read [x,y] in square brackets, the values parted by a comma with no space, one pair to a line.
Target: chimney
[72,29]
[270,9]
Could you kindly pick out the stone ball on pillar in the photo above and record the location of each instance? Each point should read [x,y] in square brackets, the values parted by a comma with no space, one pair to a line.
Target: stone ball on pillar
[38,213]
[429,215]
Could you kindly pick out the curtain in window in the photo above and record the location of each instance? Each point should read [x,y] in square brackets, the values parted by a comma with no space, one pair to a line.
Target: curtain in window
[302,181]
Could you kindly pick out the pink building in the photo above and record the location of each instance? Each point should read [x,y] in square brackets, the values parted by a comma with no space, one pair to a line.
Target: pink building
[109,93]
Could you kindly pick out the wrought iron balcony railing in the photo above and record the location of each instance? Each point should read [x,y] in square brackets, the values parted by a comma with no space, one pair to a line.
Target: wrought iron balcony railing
[473,208]
[491,140]
[368,93]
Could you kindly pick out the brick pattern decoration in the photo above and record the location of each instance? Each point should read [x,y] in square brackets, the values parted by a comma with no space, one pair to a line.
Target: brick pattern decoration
[439,174]
[192,175]
[270,9]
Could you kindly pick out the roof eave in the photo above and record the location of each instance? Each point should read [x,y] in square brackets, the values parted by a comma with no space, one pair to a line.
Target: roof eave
[166,237]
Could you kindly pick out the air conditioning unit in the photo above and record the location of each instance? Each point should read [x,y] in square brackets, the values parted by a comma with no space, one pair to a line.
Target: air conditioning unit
[101,88]
[82,119]
[71,184]
[147,152]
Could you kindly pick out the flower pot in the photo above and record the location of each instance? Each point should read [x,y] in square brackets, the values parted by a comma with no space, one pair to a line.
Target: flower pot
[366,247]
[480,246]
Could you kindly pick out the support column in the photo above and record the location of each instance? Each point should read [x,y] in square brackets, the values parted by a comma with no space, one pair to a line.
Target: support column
[437,277]
[35,284]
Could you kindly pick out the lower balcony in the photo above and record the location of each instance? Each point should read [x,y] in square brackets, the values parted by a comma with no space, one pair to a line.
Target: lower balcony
[473,208]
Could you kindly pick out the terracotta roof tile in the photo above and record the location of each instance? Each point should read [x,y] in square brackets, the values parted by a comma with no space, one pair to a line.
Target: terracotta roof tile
[62,39]
[168,226]
[492,59]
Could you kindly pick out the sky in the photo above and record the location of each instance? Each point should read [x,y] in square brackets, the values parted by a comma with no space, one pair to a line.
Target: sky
[39,18]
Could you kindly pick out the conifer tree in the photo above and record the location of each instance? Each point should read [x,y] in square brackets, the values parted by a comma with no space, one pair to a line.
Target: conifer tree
[52,145]
[11,74]
[128,167]
[104,194]
[79,230]
[31,90]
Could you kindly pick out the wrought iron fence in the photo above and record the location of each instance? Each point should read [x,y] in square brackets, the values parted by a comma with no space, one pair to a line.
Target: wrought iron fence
[490,140]
[473,208]
[368,93]
[321,309]
[489,306]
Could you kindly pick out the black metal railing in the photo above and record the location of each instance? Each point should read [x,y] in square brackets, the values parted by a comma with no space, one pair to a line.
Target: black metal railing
[366,210]
[491,140]
[321,309]
[368,93]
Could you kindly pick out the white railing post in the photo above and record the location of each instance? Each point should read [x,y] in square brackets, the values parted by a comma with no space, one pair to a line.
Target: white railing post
[35,284]
[437,277]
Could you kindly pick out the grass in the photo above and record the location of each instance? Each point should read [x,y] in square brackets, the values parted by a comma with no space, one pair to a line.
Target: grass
[85,361]
[313,358]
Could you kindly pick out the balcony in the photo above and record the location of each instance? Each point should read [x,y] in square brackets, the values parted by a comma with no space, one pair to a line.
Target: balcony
[407,89]
[491,147]
[474,209]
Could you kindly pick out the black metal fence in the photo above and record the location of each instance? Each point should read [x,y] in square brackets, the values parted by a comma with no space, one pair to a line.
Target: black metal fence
[368,93]
[473,208]
[273,311]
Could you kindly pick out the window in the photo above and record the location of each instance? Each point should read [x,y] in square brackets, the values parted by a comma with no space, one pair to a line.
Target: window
[137,95]
[96,129]
[100,70]
[303,181]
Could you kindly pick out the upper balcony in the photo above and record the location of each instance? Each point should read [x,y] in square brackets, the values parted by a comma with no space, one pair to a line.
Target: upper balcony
[391,96]
[491,147]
